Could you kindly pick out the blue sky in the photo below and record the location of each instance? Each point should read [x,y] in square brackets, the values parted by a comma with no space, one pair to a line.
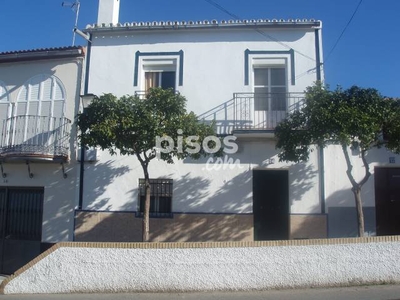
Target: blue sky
[367,55]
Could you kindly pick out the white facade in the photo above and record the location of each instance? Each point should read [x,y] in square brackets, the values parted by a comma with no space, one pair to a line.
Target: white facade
[210,62]
[42,89]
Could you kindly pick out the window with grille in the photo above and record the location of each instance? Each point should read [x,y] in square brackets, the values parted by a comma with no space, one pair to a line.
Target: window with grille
[160,197]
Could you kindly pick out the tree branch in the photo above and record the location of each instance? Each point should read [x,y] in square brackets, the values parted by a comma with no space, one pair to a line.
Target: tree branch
[349,166]
[366,166]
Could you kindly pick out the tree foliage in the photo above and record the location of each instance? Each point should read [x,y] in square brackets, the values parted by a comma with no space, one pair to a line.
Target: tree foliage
[130,125]
[355,118]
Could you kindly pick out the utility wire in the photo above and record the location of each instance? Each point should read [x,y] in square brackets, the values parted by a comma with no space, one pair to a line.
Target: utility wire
[221,8]
[344,30]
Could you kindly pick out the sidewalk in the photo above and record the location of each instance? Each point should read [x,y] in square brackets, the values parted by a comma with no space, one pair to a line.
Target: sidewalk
[382,292]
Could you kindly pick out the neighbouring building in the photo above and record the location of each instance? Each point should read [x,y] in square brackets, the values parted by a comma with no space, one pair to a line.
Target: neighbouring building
[39,99]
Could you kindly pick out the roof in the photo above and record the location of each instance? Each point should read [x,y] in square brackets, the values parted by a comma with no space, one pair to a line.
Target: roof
[42,53]
[157,25]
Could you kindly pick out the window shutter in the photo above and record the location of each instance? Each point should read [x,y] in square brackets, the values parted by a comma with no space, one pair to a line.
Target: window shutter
[58,110]
[23,95]
[59,93]
[34,89]
[47,89]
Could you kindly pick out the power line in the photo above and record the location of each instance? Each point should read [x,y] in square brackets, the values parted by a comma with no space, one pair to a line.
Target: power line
[344,30]
[221,8]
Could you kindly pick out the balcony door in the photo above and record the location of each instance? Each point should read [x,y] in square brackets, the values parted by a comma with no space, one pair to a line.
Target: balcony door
[270,93]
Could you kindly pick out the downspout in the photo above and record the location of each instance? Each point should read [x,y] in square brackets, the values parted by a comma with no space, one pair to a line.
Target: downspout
[86,88]
[321,158]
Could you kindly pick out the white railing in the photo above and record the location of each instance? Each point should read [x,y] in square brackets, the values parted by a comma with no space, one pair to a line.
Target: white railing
[38,136]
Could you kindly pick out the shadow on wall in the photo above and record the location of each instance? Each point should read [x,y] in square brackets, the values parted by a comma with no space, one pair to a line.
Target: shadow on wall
[126,227]
[102,175]
[303,176]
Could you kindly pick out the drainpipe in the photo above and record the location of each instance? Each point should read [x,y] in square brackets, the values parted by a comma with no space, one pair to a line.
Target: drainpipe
[86,87]
[321,150]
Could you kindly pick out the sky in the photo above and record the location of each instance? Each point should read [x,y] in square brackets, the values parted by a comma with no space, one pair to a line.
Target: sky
[367,55]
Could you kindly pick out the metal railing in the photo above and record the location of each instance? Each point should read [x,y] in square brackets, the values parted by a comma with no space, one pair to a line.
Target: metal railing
[38,136]
[252,111]
[264,111]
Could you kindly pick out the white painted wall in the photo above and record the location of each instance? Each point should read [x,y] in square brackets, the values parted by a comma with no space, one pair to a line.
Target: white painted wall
[112,183]
[214,67]
[205,269]
[213,61]
[60,195]
[338,186]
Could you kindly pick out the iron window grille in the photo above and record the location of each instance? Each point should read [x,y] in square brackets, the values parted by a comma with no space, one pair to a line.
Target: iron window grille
[161,191]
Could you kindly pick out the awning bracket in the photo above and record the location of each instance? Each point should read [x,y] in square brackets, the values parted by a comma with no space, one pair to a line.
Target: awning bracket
[29,169]
[65,175]
[4,175]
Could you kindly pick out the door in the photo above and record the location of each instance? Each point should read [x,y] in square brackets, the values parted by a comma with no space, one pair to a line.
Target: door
[21,212]
[387,201]
[270,97]
[271,204]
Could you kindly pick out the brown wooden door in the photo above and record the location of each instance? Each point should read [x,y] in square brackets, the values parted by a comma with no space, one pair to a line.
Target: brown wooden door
[387,201]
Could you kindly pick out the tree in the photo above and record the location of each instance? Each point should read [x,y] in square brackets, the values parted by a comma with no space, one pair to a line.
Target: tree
[134,126]
[356,118]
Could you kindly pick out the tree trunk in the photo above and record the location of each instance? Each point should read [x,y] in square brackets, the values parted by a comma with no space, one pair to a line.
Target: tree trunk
[146,212]
[357,186]
[360,213]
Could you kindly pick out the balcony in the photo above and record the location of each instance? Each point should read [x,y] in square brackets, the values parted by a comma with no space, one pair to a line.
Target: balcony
[35,138]
[253,112]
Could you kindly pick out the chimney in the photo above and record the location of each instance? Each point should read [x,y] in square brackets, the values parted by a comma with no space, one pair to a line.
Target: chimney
[108,12]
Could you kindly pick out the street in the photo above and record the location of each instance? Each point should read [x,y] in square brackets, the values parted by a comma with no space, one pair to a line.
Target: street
[382,292]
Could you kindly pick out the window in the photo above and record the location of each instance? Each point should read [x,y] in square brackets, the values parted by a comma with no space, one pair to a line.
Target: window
[160,197]
[270,89]
[42,95]
[164,80]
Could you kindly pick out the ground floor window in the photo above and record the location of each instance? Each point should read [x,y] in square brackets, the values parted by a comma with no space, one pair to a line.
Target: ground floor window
[160,197]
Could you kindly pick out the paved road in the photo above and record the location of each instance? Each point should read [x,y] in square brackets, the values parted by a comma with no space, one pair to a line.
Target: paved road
[385,292]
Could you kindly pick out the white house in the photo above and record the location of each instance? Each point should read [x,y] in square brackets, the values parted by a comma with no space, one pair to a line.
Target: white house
[39,98]
[246,75]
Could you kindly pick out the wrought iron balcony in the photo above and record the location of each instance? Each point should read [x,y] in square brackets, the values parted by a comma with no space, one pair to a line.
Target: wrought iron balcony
[253,112]
[42,138]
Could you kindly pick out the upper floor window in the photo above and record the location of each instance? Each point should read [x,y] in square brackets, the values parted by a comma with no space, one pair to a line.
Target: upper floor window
[159,73]
[163,79]
[270,89]
[42,95]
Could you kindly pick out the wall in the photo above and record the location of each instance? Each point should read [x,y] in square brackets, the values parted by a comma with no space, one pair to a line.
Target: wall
[124,267]
[60,194]
[126,227]
[204,85]
[200,187]
[340,201]
[213,69]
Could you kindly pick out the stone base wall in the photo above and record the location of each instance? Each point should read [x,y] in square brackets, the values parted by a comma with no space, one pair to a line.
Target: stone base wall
[308,227]
[126,227]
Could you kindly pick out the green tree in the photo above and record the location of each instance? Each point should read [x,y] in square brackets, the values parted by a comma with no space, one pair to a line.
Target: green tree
[356,118]
[131,125]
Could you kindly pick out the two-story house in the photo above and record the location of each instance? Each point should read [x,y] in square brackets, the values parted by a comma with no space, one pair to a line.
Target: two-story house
[246,76]
[39,99]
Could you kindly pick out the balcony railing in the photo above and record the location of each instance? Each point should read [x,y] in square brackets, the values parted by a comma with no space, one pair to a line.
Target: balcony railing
[35,137]
[253,111]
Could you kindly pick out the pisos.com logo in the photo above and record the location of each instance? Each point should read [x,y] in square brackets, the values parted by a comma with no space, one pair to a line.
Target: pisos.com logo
[210,144]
